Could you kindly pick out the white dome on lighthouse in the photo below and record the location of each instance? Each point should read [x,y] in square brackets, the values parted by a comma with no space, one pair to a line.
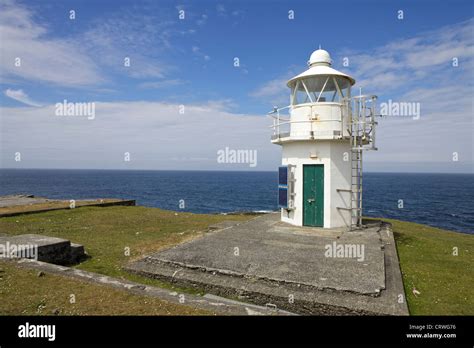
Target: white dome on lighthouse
[319,65]
[320,57]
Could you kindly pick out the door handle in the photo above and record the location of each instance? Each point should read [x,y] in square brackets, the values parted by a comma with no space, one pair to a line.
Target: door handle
[310,200]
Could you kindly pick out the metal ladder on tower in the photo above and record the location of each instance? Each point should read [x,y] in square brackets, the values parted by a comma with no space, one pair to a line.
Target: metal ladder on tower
[362,126]
[357,136]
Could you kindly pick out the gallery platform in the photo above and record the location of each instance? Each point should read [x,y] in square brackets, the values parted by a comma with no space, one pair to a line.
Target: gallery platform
[302,270]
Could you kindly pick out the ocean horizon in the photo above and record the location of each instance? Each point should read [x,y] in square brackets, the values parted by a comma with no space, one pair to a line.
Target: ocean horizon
[437,199]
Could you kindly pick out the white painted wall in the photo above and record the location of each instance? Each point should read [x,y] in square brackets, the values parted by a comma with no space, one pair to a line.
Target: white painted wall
[337,175]
[326,120]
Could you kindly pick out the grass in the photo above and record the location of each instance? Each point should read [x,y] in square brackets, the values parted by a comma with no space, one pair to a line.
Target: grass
[22,292]
[105,232]
[444,281]
[109,233]
[428,264]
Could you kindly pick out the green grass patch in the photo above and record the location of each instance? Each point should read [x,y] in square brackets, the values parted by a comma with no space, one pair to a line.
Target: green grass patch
[429,265]
[23,292]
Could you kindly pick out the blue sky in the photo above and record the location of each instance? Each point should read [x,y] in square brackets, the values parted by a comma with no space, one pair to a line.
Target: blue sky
[190,62]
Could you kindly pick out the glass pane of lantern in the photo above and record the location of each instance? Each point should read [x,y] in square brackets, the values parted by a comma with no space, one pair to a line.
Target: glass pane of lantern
[314,85]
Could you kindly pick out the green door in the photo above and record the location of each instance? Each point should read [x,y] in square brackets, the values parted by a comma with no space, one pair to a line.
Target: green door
[313,195]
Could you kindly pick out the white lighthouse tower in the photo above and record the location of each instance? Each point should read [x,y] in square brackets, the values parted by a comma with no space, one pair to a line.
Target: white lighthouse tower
[322,139]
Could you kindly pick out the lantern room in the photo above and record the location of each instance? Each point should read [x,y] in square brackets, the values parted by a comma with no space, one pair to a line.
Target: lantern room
[320,83]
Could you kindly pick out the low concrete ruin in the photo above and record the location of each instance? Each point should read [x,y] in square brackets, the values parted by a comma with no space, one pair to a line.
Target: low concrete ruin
[13,205]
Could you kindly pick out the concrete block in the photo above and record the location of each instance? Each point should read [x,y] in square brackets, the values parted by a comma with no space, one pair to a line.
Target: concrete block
[41,248]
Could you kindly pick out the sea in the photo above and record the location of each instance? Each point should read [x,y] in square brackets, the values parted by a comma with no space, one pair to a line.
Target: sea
[440,200]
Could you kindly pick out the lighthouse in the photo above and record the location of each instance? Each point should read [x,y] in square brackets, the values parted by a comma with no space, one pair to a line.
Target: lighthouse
[323,133]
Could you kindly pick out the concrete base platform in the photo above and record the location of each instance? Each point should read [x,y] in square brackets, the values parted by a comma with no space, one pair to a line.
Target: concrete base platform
[41,248]
[267,262]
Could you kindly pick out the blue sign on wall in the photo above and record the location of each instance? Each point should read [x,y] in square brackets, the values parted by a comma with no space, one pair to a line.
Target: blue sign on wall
[283,187]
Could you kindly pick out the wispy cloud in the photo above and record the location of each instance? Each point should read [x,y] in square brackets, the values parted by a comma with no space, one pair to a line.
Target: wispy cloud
[271,88]
[202,19]
[221,10]
[87,58]
[28,54]
[424,58]
[275,91]
[162,83]
[142,38]
[21,96]
[198,53]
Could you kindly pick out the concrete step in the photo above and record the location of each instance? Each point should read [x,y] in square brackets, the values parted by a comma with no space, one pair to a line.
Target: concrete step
[77,253]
